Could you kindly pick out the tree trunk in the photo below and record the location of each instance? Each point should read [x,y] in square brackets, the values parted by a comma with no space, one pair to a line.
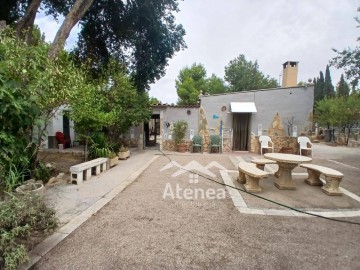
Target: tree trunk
[25,24]
[76,13]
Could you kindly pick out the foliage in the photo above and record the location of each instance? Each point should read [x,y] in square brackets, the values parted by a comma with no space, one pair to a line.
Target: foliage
[32,88]
[154,101]
[190,82]
[349,60]
[128,107]
[215,85]
[113,106]
[41,172]
[20,218]
[99,147]
[328,87]
[15,175]
[340,111]
[180,128]
[319,87]
[342,89]
[123,148]
[245,75]
[142,34]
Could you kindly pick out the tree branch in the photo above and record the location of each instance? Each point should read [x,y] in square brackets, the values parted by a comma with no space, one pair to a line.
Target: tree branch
[76,13]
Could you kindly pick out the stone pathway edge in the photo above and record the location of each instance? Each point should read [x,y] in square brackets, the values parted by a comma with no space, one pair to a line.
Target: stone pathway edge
[53,240]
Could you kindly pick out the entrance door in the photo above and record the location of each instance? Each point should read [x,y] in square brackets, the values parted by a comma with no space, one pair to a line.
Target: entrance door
[66,127]
[152,130]
[241,129]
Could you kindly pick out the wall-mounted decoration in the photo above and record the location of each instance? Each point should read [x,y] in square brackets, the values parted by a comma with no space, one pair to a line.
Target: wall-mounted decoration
[294,131]
[223,108]
[188,112]
[191,134]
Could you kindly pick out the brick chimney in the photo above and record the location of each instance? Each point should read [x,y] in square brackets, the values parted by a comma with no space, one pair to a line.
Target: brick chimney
[290,72]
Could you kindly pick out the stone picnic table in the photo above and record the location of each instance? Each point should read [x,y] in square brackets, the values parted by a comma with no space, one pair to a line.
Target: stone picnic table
[286,163]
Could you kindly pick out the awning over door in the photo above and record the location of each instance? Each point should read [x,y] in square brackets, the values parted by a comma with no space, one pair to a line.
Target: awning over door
[243,107]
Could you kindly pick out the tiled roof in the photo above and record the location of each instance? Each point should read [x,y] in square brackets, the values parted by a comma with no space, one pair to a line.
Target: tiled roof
[175,106]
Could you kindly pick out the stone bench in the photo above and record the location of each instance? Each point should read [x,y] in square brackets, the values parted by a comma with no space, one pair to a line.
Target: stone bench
[250,176]
[83,171]
[261,162]
[332,178]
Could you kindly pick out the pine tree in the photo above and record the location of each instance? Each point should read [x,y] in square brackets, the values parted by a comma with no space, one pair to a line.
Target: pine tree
[342,88]
[328,86]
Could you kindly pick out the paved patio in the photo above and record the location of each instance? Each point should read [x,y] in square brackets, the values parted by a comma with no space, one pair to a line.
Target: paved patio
[171,219]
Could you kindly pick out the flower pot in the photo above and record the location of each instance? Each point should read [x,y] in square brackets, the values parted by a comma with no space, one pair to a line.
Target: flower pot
[114,161]
[181,147]
[287,150]
[34,188]
[124,155]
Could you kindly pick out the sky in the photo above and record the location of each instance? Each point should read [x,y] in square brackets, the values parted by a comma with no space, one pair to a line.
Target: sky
[271,32]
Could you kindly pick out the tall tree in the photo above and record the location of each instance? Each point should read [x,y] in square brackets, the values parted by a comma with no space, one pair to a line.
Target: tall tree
[245,75]
[141,34]
[215,85]
[349,60]
[76,13]
[339,111]
[342,88]
[319,88]
[328,86]
[190,83]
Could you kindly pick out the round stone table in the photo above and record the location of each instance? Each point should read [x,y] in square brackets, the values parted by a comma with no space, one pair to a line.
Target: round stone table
[286,163]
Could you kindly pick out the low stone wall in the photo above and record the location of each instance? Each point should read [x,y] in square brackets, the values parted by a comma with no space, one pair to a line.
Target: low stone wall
[169,145]
[279,143]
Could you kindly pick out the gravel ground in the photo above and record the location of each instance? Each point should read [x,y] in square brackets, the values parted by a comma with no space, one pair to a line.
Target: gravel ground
[140,229]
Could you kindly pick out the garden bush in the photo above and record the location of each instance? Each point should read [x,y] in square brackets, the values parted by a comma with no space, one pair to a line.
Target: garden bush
[21,218]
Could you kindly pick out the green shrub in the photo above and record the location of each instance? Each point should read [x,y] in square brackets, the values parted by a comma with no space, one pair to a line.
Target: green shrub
[41,172]
[99,146]
[20,218]
[15,176]
[180,128]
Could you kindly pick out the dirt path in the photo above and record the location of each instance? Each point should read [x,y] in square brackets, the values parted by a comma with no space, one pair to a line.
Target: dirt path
[140,229]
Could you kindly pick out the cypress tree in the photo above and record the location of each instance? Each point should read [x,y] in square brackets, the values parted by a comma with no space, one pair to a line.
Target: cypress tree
[343,88]
[328,86]
[319,88]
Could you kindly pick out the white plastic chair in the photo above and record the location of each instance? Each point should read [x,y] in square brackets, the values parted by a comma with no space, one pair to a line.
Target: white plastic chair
[264,143]
[304,142]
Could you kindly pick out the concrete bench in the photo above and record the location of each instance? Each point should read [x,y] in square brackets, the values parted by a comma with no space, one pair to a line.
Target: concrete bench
[261,162]
[332,178]
[83,171]
[250,176]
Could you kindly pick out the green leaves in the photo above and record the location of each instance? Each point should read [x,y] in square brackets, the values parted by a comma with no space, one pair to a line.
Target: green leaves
[339,111]
[245,75]
[190,82]
[21,217]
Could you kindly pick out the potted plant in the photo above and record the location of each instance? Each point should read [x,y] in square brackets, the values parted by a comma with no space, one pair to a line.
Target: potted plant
[287,149]
[31,187]
[124,152]
[179,131]
[113,159]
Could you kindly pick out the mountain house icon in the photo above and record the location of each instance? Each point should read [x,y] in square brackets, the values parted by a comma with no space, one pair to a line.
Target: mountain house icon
[191,167]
